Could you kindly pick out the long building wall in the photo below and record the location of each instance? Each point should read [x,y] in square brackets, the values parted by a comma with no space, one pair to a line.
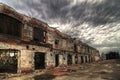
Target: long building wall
[33,45]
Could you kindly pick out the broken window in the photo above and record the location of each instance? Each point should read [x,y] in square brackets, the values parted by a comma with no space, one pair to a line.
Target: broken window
[56,41]
[39,35]
[88,50]
[28,32]
[10,26]
[75,48]
[8,60]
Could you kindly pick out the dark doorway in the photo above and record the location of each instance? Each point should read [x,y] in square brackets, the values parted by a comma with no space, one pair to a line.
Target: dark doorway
[82,60]
[86,59]
[76,59]
[89,59]
[69,60]
[39,60]
[8,61]
[56,60]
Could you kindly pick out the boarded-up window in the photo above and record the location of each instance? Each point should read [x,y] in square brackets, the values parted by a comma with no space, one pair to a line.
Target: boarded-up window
[9,25]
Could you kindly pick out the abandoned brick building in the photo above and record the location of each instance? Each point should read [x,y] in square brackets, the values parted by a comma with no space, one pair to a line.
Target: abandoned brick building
[28,44]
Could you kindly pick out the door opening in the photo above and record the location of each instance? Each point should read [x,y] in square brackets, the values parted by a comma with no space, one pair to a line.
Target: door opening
[56,60]
[89,59]
[69,59]
[39,60]
[82,60]
[86,59]
[76,59]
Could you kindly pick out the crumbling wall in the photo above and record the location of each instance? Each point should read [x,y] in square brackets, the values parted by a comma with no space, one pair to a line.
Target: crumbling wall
[50,60]
[27,33]
[26,61]
[70,45]
[36,36]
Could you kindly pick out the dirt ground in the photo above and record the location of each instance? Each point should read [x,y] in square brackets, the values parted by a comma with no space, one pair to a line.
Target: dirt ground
[104,70]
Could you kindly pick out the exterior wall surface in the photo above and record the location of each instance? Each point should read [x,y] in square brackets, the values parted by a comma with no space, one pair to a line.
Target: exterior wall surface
[54,42]
[26,61]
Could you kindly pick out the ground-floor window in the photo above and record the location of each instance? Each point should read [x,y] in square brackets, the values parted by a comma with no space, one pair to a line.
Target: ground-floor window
[8,60]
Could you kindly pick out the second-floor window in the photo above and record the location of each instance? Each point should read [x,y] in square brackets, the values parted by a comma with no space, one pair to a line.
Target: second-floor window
[39,35]
[56,41]
[28,32]
[10,25]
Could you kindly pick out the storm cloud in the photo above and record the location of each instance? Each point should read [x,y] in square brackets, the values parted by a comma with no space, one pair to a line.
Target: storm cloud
[96,22]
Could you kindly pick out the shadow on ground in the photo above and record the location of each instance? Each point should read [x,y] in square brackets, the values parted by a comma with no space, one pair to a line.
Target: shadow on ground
[44,77]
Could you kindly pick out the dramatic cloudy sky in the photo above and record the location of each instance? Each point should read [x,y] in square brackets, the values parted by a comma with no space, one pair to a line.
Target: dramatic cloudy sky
[96,22]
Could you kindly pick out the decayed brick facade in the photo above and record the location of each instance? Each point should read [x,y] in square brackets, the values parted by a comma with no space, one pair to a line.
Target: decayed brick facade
[33,45]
